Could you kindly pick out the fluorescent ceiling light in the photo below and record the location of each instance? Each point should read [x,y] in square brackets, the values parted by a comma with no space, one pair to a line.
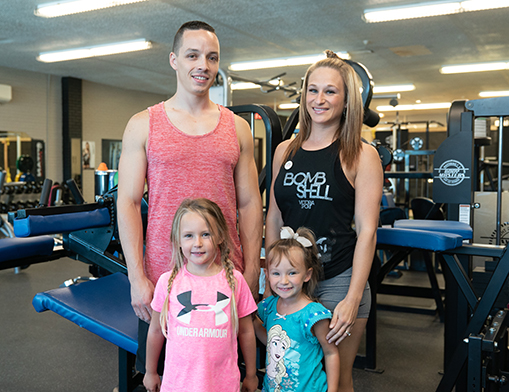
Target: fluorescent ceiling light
[421,10]
[485,94]
[252,85]
[94,51]
[244,85]
[288,106]
[479,67]
[60,8]
[282,62]
[420,106]
[393,89]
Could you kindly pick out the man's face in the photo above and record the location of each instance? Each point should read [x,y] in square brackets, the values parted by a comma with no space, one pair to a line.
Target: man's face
[197,61]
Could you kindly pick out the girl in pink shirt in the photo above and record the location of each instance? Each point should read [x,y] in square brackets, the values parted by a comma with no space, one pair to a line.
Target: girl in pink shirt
[202,306]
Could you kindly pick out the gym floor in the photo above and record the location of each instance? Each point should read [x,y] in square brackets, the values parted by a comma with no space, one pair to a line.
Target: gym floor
[45,352]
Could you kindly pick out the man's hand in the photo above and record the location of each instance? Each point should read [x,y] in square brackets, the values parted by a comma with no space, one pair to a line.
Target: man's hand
[252,277]
[142,292]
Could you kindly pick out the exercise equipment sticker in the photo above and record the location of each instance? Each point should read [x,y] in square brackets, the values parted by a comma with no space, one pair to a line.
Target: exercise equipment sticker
[452,172]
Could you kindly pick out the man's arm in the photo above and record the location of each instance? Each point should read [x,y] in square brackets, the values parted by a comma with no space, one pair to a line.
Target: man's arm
[131,185]
[249,205]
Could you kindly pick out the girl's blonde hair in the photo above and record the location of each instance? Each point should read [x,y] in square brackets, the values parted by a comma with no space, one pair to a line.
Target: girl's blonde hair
[283,247]
[349,126]
[218,228]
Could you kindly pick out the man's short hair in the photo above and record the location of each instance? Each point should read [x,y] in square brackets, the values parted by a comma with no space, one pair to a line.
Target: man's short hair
[192,25]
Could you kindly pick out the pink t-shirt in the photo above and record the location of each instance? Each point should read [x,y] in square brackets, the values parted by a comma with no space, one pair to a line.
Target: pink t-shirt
[188,166]
[201,349]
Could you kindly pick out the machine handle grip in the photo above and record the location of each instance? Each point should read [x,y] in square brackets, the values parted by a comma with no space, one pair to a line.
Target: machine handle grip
[78,197]
[3,175]
[46,189]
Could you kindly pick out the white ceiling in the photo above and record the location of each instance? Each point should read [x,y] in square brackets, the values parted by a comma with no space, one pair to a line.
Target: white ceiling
[258,29]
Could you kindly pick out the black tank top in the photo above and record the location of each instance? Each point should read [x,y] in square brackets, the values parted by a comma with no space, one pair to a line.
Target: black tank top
[311,190]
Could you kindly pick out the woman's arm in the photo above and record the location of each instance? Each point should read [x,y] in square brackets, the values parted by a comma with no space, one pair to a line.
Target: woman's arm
[247,343]
[368,184]
[155,341]
[330,353]
[273,220]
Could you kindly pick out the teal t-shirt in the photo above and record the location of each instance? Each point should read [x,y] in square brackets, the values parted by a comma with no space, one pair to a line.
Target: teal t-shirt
[294,354]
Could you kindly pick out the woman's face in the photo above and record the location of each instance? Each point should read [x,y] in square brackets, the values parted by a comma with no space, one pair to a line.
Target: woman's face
[325,96]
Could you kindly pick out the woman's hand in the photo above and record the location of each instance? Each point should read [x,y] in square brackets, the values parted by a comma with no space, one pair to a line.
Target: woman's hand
[343,319]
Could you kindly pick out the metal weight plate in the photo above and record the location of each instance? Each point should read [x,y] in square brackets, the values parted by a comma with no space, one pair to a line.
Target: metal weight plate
[416,143]
[398,155]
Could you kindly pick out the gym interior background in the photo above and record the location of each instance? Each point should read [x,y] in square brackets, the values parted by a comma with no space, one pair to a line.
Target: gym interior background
[115,87]
[404,52]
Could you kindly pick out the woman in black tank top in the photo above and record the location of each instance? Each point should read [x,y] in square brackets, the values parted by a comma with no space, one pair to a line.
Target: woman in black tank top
[322,179]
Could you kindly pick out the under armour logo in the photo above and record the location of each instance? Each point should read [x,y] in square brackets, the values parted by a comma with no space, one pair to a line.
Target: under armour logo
[185,314]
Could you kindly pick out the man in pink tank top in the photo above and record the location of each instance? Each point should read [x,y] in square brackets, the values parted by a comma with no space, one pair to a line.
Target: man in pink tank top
[184,147]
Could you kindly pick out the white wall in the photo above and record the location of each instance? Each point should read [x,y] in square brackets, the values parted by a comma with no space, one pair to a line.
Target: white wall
[106,111]
[35,109]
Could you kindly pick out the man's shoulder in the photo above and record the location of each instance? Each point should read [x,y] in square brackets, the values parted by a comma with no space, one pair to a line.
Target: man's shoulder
[242,129]
[140,117]
[138,127]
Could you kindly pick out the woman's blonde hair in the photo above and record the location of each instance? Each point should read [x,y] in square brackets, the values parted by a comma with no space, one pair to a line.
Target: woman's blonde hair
[218,227]
[350,124]
[282,248]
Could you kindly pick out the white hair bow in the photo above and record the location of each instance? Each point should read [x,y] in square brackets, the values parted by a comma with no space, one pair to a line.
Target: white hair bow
[287,233]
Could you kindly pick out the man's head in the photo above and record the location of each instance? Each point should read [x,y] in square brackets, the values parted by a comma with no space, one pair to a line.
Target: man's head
[195,57]
[192,25]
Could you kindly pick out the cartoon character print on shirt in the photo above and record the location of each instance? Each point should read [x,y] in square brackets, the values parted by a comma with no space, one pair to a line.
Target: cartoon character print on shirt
[218,308]
[282,367]
[308,186]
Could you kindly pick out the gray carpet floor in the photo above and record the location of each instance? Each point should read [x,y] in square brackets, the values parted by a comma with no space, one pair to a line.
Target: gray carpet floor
[43,352]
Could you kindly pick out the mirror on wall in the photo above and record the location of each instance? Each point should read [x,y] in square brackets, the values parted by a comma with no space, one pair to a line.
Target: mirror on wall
[20,155]
[111,150]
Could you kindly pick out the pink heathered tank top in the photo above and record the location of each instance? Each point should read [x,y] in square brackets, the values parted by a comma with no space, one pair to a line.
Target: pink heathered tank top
[188,166]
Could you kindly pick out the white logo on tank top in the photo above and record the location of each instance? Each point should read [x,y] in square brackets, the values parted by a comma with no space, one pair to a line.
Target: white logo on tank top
[308,186]
[306,204]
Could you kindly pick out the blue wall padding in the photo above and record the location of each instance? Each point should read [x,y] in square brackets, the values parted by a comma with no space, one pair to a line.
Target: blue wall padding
[60,223]
[101,306]
[452,227]
[418,239]
[19,248]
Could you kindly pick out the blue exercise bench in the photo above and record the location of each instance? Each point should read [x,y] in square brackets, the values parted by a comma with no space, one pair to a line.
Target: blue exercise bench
[446,239]
[103,307]
[424,235]
[20,252]
[401,240]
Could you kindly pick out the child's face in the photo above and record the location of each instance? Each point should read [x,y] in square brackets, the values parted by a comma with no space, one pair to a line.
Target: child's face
[196,243]
[285,280]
